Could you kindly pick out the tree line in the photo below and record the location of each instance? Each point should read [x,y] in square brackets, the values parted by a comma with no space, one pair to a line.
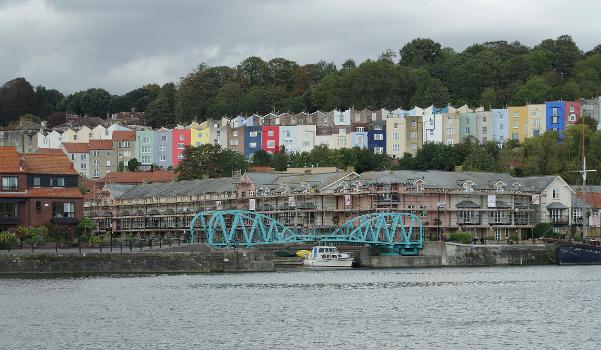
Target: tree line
[421,73]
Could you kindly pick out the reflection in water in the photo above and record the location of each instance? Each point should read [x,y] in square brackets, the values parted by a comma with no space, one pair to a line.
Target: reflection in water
[494,308]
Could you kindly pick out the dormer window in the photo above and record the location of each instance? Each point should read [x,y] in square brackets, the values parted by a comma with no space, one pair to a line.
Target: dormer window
[419,184]
[500,186]
[468,186]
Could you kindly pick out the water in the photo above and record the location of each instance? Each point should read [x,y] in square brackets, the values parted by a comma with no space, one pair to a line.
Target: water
[547,307]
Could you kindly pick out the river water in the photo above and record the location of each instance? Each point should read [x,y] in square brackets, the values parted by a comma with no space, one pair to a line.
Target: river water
[547,307]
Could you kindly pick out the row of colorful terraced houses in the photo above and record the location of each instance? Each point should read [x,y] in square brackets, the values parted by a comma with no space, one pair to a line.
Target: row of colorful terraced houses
[98,150]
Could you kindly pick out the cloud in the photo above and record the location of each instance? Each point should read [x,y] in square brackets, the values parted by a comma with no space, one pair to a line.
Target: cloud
[120,45]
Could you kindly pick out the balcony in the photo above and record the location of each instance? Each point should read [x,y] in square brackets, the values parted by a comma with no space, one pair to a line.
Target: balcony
[471,220]
[560,220]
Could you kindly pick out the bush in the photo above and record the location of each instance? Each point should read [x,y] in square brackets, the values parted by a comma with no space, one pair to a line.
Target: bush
[8,240]
[460,237]
[32,234]
[95,240]
[60,233]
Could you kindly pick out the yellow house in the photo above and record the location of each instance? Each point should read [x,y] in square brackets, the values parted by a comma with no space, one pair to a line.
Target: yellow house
[537,120]
[199,133]
[518,123]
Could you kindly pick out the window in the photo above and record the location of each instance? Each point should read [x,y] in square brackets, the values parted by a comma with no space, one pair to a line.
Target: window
[95,162]
[501,127]
[180,156]
[108,153]
[534,113]
[180,146]
[10,183]
[145,139]
[235,133]
[515,124]
[396,147]
[572,117]
[270,133]
[357,117]
[483,119]
[94,153]
[378,137]
[571,109]
[467,131]
[555,194]
[84,166]
[484,129]
[287,133]
[36,182]
[342,141]
[450,131]
[96,173]
[536,123]
[555,111]
[72,156]
[378,127]
[63,210]
[414,135]
[484,139]
[270,143]
[162,158]
[252,134]
[515,114]
[84,156]
[163,147]
[127,154]
[414,123]
[536,132]
[252,145]
[8,210]
[234,142]
[75,137]
[182,137]
[306,143]
[342,131]
[500,116]
[514,136]
[449,141]
[164,138]
[38,207]
[414,146]
[146,160]
[57,182]
[378,150]
[146,149]
[554,119]
[395,136]
[108,163]
[360,129]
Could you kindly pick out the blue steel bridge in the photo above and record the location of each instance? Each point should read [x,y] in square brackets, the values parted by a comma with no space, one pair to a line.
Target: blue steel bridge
[391,232]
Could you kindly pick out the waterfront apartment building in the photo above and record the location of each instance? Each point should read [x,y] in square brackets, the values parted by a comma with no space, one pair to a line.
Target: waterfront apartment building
[491,205]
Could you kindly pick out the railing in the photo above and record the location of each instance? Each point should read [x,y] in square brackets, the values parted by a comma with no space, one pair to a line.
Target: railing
[473,220]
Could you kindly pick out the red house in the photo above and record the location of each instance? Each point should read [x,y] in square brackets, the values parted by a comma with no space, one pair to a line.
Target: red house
[180,138]
[572,113]
[38,189]
[270,138]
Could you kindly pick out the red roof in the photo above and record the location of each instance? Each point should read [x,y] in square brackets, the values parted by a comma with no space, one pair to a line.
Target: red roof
[100,144]
[48,164]
[49,151]
[76,147]
[54,192]
[9,159]
[592,198]
[139,177]
[124,135]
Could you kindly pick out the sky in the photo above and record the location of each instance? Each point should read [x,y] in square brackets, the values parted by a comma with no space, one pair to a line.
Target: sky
[119,45]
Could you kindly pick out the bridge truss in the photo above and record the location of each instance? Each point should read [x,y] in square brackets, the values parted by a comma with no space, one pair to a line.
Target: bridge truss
[392,232]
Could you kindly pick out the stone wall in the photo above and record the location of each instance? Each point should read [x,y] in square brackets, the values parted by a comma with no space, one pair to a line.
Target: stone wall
[481,255]
[134,263]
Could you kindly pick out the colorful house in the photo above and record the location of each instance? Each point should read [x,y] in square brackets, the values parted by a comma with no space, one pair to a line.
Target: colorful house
[145,146]
[270,138]
[163,152]
[180,138]
[572,112]
[537,120]
[484,126]
[252,140]
[467,125]
[518,122]
[432,127]
[500,130]
[556,118]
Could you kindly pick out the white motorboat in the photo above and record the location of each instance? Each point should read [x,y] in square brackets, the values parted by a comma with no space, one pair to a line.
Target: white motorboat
[326,256]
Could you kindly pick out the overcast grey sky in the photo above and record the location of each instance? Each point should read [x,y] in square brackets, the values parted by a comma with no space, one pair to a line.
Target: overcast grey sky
[122,44]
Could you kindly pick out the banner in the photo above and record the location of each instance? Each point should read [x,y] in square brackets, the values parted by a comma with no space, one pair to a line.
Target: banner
[291,202]
[492,200]
[347,200]
[536,199]
[252,204]
[219,205]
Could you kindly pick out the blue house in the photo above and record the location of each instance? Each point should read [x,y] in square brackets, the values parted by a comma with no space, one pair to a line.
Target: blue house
[163,151]
[438,110]
[500,124]
[252,140]
[556,118]
[376,138]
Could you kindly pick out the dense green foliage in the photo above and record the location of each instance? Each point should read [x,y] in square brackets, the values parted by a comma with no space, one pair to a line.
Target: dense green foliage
[209,161]
[8,240]
[491,74]
[460,237]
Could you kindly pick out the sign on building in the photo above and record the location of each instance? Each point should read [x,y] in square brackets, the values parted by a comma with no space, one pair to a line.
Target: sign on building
[291,201]
[536,199]
[252,204]
[492,200]
[219,205]
[347,200]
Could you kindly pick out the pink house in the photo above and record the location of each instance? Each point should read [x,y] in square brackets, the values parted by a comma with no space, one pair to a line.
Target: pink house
[572,112]
[270,138]
[180,138]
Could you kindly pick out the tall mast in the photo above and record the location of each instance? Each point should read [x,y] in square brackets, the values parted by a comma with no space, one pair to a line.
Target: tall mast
[583,172]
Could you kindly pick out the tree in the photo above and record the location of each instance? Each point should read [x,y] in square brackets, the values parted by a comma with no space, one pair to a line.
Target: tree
[56,118]
[95,102]
[85,227]
[262,158]
[133,165]
[47,101]
[280,160]
[588,121]
[209,161]
[16,98]
[420,52]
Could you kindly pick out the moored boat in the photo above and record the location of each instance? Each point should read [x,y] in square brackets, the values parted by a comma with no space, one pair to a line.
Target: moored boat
[326,256]
[579,253]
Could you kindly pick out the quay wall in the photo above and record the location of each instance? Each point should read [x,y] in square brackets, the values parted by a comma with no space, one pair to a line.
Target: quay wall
[155,262]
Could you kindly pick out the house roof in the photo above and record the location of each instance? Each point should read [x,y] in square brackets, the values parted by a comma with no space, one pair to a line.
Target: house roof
[592,198]
[556,205]
[100,144]
[43,163]
[9,159]
[179,188]
[139,177]
[123,135]
[467,204]
[75,147]
[49,151]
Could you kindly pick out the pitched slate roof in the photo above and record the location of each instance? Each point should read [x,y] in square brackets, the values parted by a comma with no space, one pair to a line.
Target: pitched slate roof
[100,144]
[49,151]
[76,147]
[43,163]
[9,159]
[179,188]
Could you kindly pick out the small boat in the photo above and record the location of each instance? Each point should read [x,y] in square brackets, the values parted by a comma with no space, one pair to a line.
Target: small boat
[579,253]
[326,256]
